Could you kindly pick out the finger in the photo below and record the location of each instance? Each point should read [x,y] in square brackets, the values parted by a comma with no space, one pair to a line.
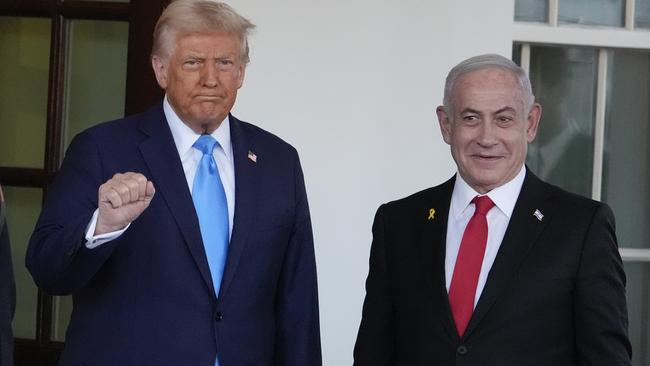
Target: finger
[134,189]
[124,185]
[137,183]
[117,177]
[113,197]
[106,193]
[142,186]
[122,189]
[129,187]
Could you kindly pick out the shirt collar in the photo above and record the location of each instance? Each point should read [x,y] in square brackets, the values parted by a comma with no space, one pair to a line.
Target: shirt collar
[504,197]
[184,137]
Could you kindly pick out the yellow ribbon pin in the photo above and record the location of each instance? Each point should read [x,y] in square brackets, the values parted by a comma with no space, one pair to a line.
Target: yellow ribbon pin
[432,214]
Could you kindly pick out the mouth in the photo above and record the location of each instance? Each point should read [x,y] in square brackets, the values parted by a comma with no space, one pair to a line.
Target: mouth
[208,98]
[486,157]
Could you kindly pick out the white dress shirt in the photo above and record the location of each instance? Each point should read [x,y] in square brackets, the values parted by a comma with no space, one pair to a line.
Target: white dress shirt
[184,138]
[460,212]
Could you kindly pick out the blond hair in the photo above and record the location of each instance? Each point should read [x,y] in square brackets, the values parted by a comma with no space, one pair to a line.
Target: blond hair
[184,17]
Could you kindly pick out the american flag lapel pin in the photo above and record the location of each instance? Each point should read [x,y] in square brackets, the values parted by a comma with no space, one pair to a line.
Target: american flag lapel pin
[538,214]
[252,157]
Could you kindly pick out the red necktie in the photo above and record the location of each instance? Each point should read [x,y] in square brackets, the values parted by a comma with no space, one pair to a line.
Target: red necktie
[468,264]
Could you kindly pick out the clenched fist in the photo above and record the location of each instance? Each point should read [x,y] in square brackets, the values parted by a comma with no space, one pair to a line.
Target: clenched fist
[121,200]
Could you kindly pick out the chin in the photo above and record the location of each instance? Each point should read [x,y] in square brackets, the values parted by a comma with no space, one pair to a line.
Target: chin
[485,180]
[211,117]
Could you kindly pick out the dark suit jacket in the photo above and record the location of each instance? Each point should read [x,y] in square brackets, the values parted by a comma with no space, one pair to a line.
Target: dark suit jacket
[7,292]
[147,297]
[555,294]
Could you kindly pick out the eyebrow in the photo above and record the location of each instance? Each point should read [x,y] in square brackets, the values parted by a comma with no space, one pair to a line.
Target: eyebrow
[506,109]
[469,110]
[503,109]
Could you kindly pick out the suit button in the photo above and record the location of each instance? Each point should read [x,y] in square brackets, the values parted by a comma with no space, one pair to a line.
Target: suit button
[461,350]
[218,316]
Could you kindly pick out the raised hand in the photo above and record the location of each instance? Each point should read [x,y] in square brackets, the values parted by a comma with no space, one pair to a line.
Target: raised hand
[121,200]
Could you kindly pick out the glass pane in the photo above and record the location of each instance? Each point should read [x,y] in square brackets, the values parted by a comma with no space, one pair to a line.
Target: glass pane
[564,83]
[23,208]
[96,74]
[25,55]
[626,169]
[63,310]
[516,53]
[531,11]
[95,92]
[592,12]
[642,8]
[638,304]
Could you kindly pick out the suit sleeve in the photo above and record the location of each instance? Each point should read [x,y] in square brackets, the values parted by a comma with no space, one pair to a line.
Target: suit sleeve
[297,320]
[56,257]
[375,344]
[600,305]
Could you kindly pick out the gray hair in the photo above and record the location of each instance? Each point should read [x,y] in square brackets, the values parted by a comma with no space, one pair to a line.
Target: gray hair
[183,17]
[483,62]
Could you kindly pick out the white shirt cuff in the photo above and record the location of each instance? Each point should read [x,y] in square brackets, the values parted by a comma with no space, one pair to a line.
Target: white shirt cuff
[95,241]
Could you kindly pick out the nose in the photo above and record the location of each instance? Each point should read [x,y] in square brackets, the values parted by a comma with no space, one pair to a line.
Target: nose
[209,76]
[487,134]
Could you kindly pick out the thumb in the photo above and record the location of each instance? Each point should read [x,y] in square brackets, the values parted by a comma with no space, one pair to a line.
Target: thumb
[150,191]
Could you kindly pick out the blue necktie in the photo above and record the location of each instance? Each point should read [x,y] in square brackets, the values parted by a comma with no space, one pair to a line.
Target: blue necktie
[212,209]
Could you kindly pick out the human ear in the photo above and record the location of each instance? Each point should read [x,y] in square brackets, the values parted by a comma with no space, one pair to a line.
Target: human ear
[445,123]
[160,69]
[534,116]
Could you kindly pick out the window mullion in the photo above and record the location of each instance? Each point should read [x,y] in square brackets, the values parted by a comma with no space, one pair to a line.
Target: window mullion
[629,14]
[599,133]
[525,57]
[553,10]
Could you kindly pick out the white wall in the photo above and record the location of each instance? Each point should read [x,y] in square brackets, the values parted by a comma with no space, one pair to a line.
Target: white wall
[353,85]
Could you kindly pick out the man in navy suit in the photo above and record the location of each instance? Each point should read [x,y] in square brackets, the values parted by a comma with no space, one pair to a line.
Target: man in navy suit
[120,232]
[493,267]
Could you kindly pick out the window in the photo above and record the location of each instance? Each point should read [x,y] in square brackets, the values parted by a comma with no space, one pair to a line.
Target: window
[589,63]
[64,69]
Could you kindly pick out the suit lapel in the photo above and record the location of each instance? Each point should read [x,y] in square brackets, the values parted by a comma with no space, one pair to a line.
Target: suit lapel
[432,246]
[160,154]
[522,233]
[246,180]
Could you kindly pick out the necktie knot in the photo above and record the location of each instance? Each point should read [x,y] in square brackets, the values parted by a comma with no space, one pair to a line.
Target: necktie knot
[483,204]
[205,144]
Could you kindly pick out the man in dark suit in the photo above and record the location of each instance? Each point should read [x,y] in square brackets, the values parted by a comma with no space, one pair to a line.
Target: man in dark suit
[493,267]
[182,233]
[7,291]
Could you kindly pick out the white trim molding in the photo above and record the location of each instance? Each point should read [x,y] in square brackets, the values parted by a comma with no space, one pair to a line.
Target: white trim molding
[635,254]
[583,36]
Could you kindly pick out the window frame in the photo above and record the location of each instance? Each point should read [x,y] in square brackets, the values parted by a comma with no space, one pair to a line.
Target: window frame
[603,38]
[43,348]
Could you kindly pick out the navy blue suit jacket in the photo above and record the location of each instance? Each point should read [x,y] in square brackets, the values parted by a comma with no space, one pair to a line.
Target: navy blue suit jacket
[147,297]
